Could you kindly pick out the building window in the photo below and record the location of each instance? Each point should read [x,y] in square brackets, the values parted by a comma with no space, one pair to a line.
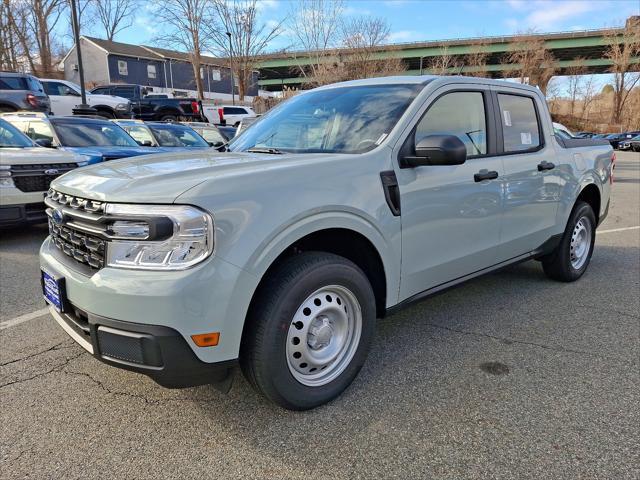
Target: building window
[215,75]
[151,71]
[202,73]
[122,68]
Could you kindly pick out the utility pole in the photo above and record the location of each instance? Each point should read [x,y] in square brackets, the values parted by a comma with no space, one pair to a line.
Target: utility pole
[233,84]
[83,108]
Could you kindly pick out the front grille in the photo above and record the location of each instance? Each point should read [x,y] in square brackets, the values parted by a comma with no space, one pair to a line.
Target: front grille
[82,247]
[37,178]
[77,203]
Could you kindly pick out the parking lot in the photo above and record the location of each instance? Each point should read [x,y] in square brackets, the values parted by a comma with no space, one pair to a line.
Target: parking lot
[508,376]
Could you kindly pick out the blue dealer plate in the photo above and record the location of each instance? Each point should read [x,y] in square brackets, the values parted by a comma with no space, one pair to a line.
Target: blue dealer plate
[53,290]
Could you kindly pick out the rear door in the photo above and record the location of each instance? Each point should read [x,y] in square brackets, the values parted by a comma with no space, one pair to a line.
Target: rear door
[451,218]
[532,174]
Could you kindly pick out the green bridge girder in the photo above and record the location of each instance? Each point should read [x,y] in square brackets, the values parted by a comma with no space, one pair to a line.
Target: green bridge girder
[589,46]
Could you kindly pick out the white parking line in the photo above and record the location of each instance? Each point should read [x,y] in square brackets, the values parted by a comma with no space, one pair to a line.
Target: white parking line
[618,229]
[23,318]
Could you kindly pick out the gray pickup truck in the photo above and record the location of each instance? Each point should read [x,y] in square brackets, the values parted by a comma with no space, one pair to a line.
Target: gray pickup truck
[340,206]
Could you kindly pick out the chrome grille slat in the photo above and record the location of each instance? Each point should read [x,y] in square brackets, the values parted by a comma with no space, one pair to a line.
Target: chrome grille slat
[80,237]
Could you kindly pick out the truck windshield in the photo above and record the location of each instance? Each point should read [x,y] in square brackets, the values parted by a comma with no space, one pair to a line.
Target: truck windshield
[92,134]
[336,120]
[10,136]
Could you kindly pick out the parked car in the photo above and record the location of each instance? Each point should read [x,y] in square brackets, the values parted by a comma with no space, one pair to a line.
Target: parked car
[632,143]
[635,143]
[175,135]
[21,91]
[558,127]
[585,134]
[159,109]
[209,132]
[65,96]
[280,254]
[98,139]
[246,123]
[615,138]
[227,114]
[139,131]
[26,171]
[228,132]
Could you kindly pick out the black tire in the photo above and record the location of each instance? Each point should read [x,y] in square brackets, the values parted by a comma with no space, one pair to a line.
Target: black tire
[168,118]
[263,354]
[558,264]
[4,109]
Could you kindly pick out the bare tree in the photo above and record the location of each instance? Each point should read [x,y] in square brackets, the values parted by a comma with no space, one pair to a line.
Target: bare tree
[622,48]
[10,48]
[248,37]
[315,30]
[574,85]
[114,15]
[477,59]
[361,38]
[589,94]
[445,63]
[185,25]
[536,65]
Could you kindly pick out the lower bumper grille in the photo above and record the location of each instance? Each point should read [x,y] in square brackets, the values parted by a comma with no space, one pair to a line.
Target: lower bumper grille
[82,247]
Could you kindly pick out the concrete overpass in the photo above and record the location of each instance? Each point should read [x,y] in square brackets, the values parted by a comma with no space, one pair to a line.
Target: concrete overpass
[278,70]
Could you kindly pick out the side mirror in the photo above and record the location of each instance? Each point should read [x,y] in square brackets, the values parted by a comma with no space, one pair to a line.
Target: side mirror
[145,143]
[45,142]
[437,150]
[215,144]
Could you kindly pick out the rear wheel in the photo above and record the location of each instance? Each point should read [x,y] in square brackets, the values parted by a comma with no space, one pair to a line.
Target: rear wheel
[106,114]
[309,330]
[4,109]
[168,118]
[570,259]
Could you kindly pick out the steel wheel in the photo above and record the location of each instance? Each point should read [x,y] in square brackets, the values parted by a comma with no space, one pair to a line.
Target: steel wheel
[324,335]
[580,243]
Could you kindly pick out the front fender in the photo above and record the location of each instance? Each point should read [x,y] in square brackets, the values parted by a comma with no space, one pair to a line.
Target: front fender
[305,224]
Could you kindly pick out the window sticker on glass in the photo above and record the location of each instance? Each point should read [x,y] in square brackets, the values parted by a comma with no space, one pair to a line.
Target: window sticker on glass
[507,118]
[525,138]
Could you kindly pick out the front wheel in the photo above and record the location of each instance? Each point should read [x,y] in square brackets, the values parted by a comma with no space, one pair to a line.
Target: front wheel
[570,259]
[309,330]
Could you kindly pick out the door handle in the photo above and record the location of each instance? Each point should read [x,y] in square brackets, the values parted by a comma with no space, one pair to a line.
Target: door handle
[485,175]
[544,165]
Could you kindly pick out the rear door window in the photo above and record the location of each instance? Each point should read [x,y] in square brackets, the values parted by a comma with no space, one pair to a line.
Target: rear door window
[520,127]
[12,83]
[234,111]
[126,92]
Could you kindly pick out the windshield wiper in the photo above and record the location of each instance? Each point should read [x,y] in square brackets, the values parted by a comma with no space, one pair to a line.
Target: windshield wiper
[270,150]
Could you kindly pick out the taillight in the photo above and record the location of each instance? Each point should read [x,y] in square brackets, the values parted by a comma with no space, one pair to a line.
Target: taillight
[221,115]
[32,100]
[195,107]
[613,165]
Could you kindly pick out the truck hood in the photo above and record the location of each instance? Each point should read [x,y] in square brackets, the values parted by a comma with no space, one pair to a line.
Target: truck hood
[162,178]
[37,155]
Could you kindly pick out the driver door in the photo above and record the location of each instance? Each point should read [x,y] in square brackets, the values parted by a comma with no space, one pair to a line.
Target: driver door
[63,98]
[451,218]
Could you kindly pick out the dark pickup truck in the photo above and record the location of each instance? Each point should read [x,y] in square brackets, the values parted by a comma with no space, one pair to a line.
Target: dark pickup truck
[162,109]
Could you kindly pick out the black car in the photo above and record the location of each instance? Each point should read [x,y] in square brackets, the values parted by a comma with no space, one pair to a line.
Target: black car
[616,138]
[153,108]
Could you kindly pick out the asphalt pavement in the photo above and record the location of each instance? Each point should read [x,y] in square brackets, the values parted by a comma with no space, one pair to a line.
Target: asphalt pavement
[508,376]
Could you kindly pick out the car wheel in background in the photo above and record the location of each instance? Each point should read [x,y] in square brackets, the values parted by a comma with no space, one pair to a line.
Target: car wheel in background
[168,118]
[309,330]
[570,259]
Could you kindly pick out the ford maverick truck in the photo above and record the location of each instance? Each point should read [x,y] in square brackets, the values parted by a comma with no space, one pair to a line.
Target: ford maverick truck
[340,206]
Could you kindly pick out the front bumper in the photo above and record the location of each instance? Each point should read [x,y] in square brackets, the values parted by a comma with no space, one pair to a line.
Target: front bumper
[213,296]
[156,351]
[22,214]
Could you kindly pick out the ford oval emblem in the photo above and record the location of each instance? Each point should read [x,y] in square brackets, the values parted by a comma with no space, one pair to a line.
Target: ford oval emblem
[52,171]
[57,216]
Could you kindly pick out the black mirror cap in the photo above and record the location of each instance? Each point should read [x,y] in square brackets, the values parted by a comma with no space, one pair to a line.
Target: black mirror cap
[44,142]
[437,150]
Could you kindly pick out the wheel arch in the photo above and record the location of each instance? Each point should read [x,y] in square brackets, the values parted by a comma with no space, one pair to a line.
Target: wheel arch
[590,194]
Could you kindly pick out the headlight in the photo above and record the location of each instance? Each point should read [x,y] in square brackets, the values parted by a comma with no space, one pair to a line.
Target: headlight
[122,106]
[158,237]
[5,177]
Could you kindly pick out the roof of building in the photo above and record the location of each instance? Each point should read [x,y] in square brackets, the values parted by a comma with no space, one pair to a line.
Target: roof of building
[151,53]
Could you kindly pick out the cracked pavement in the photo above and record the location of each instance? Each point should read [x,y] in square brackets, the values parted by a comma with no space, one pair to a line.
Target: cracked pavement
[508,376]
